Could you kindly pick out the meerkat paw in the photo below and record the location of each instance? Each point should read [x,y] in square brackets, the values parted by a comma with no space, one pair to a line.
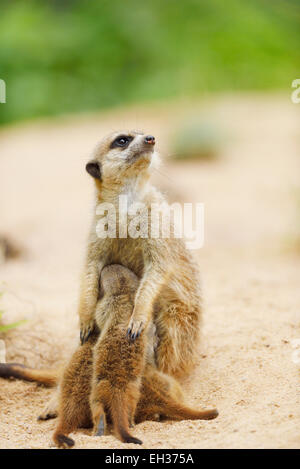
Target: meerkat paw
[135,328]
[50,411]
[86,328]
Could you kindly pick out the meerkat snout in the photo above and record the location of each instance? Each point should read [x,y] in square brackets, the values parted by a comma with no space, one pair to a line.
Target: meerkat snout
[150,140]
[141,145]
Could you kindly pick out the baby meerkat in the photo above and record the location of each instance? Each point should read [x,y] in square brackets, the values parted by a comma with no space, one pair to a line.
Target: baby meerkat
[168,291]
[118,364]
[113,380]
[103,380]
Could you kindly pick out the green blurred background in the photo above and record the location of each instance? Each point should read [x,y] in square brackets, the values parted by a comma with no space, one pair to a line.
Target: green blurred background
[79,55]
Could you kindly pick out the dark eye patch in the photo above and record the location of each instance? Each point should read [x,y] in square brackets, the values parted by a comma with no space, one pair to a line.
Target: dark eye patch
[122,141]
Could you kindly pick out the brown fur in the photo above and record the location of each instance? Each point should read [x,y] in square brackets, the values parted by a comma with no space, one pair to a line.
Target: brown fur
[109,370]
[169,291]
[15,370]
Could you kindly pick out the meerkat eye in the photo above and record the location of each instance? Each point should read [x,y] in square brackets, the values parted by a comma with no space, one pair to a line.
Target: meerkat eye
[121,141]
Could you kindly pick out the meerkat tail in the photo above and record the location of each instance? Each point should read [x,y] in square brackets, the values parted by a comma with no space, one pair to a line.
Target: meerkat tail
[119,415]
[15,370]
[176,410]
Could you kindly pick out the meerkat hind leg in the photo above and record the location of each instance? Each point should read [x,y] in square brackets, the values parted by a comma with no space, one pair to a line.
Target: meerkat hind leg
[175,354]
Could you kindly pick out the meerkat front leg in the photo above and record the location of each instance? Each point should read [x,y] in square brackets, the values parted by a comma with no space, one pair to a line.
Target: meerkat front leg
[88,298]
[148,290]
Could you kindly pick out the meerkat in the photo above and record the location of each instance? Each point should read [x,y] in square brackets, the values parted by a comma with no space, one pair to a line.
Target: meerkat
[168,291]
[116,373]
[111,378]
[118,364]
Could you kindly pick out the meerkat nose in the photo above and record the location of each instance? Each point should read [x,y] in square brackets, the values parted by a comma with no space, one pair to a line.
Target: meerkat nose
[150,140]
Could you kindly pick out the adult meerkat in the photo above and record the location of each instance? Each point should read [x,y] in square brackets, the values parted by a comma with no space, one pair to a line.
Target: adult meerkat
[169,289]
[105,375]
[122,165]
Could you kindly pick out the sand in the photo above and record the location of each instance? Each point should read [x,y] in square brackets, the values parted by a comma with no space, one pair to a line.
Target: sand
[248,360]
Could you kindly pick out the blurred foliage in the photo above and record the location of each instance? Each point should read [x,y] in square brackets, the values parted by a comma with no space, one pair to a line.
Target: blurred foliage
[72,55]
[197,139]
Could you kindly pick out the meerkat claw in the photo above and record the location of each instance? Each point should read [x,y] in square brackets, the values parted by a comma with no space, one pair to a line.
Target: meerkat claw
[85,333]
[130,335]
[134,330]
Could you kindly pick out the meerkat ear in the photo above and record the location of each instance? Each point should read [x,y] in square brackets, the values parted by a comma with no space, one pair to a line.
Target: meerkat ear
[93,168]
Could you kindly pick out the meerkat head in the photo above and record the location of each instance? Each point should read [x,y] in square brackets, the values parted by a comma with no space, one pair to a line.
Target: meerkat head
[121,156]
[116,279]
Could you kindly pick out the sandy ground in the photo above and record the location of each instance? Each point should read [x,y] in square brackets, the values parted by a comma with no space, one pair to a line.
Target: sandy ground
[247,360]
